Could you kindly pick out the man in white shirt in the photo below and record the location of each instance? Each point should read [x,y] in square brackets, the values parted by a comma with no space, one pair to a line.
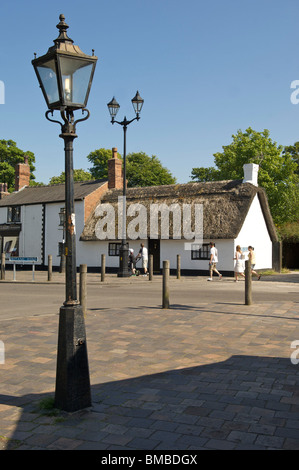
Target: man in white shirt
[213,261]
[143,253]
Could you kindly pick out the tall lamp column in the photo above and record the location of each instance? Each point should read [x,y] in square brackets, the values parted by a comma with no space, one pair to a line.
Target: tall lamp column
[65,75]
[61,244]
[113,107]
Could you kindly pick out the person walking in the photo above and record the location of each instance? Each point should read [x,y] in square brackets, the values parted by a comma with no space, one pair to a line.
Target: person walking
[143,254]
[251,257]
[239,265]
[213,262]
[132,261]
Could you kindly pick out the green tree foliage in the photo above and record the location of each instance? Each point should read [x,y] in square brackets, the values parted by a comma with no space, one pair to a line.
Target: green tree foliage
[277,172]
[79,175]
[141,170]
[35,183]
[293,150]
[289,232]
[10,155]
[99,159]
[206,174]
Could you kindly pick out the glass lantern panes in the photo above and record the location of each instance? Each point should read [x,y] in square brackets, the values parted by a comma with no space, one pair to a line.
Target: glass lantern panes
[76,78]
[47,73]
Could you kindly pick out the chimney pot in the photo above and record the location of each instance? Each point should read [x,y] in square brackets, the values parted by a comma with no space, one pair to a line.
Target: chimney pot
[251,173]
[3,190]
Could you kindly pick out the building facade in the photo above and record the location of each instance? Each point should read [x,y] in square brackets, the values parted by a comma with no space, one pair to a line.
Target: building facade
[165,218]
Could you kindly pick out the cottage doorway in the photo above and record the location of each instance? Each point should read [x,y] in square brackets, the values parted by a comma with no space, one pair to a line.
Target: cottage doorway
[154,249]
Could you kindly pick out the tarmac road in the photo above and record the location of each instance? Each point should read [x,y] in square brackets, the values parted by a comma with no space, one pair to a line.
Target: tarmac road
[26,298]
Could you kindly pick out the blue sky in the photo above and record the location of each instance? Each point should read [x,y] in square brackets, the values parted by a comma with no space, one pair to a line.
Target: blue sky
[204,70]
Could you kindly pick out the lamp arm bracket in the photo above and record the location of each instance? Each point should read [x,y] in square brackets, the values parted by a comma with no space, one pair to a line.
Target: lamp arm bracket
[84,118]
[50,111]
[125,123]
[68,126]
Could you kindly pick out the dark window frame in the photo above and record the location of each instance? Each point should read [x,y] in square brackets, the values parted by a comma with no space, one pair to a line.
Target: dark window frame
[113,249]
[13,214]
[202,253]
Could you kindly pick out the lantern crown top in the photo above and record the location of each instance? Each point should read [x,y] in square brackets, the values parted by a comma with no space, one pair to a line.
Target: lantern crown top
[63,27]
[63,43]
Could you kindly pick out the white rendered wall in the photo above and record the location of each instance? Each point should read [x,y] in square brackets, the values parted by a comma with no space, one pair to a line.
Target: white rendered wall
[169,249]
[3,215]
[30,240]
[255,233]
[90,253]
[53,233]
[30,237]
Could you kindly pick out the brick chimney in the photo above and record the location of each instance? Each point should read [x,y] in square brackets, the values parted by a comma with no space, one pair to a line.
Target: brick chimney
[3,190]
[22,174]
[115,173]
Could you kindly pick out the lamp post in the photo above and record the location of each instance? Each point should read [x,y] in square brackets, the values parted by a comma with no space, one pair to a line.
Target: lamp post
[65,75]
[113,107]
[61,244]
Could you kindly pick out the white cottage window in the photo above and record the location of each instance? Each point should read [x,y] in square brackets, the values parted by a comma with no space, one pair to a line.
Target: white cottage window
[113,249]
[14,214]
[200,251]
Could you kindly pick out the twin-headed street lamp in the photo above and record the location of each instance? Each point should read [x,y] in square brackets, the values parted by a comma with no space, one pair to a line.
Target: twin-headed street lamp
[65,76]
[113,107]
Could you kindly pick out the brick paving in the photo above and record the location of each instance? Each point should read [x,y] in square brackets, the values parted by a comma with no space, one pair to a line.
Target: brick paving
[192,377]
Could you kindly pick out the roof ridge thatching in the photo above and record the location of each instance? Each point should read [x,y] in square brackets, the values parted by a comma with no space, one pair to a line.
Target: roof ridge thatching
[225,206]
[180,190]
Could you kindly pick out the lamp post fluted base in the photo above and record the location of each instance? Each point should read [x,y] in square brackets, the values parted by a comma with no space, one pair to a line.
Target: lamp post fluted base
[123,261]
[72,391]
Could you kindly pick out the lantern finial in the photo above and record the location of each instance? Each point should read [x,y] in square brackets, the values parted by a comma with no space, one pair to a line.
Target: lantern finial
[62,26]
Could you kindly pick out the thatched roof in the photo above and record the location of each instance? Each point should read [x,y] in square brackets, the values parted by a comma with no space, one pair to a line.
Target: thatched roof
[225,206]
[51,193]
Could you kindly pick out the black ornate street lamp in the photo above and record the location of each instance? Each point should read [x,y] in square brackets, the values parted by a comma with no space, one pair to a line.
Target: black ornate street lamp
[65,75]
[113,107]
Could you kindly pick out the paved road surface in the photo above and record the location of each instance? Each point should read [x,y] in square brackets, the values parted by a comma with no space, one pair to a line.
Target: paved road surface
[209,373]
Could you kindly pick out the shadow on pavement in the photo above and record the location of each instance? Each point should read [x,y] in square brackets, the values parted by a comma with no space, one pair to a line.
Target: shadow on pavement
[244,402]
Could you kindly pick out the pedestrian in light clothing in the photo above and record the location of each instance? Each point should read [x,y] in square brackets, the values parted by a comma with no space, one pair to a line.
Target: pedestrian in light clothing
[239,265]
[132,261]
[213,262]
[143,254]
[251,257]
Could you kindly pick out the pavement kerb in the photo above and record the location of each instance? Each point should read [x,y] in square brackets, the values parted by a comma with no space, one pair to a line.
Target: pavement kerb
[95,278]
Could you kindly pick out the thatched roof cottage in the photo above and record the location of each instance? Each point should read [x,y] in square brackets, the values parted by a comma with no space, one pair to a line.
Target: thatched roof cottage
[233,212]
[169,220]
